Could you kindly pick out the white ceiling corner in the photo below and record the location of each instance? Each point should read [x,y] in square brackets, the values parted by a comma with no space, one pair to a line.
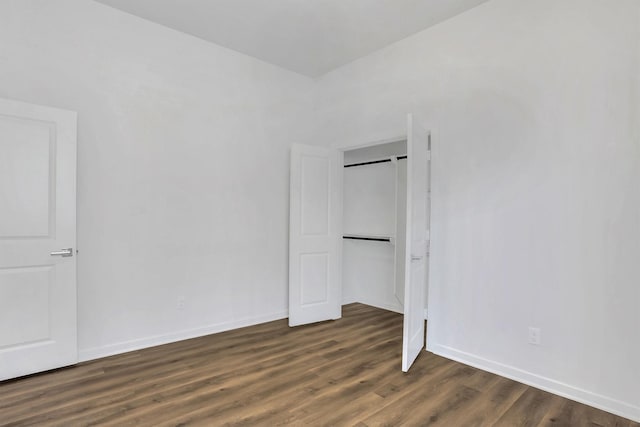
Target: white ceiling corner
[310,37]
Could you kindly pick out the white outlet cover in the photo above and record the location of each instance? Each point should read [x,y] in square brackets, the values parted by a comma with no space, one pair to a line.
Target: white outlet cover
[534,336]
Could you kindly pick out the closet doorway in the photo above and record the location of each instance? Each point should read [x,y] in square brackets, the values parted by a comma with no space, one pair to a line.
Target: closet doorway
[359,231]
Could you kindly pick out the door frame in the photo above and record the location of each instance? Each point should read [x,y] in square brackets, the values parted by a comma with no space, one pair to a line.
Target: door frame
[433,136]
[402,138]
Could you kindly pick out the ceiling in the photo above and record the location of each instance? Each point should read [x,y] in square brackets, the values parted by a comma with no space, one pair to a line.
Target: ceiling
[310,37]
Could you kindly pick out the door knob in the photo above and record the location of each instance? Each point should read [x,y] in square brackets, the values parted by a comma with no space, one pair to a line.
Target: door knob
[415,258]
[63,252]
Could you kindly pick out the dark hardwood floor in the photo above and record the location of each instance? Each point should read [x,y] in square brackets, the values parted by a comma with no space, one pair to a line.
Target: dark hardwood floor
[345,372]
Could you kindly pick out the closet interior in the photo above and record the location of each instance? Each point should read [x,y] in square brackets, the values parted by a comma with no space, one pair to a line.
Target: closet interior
[374,225]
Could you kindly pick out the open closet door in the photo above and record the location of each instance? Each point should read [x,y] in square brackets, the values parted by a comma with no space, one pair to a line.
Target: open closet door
[416,242]
[315,235]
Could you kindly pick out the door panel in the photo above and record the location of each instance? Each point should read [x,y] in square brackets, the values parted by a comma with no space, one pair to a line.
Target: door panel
[25,146]
[315,268]
[314,193]
[28,290]
[416,242]
[37,217]
[315,240]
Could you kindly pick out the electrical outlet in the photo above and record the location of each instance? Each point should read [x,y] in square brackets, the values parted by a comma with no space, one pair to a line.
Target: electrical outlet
[534,336]
[180,304]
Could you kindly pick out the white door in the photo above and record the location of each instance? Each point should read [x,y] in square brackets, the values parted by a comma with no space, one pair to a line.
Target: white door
[315,235]
[417,229]
[37,220]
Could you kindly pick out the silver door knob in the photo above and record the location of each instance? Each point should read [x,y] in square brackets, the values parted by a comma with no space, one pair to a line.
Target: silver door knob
[415,258]
[63,252]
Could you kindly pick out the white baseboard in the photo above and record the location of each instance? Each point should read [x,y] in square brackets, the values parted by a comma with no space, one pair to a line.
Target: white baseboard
[385,306]
[132,345]
[346,301]
[382,305]
[605,403]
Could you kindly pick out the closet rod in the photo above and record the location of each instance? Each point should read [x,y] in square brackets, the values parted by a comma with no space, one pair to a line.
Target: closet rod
[373,162]
[375,239]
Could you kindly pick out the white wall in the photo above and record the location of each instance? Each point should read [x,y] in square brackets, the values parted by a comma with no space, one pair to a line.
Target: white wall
[536,194]
[183,168]
[369,195]
[368,274]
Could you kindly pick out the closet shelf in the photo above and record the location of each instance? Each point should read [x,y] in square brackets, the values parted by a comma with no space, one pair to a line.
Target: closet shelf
[368,237]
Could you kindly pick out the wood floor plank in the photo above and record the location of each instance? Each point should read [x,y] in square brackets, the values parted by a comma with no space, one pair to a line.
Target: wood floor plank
[344,372]
[528,410]
[409,405]
[488,407]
